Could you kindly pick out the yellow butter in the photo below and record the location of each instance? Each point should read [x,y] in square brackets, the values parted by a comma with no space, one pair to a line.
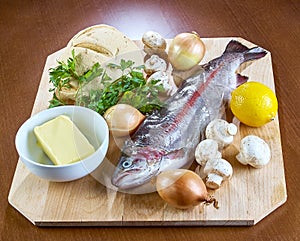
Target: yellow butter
[62,141]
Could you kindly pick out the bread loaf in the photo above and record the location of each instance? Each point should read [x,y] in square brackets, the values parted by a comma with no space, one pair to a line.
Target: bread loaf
[103,44]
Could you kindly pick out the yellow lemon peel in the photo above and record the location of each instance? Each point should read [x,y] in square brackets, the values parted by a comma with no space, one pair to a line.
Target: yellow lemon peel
[254,104]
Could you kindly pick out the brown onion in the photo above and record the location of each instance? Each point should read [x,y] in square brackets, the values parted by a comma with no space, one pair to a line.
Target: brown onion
[186,50]
[123,119]
[183,189]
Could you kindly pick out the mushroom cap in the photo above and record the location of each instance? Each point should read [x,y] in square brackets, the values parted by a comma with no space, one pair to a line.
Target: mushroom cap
[254,151]
[154,40]
[217,171]
[154,64]
[166,80]
[205,150]
[221,131]
[219,166]
[200,171]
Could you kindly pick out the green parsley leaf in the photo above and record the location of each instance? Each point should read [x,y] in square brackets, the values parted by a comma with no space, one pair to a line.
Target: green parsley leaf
[63,73]
[130,88]
[91,74]
[55,102]
[123,65]
[144,98]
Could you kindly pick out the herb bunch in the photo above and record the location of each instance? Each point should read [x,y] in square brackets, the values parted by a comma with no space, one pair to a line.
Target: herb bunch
[145,98]
[63,73]
[130,88]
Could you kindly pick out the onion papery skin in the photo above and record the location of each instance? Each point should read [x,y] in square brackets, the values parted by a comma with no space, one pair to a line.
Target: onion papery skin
[123,119]
[181,188]
[185,51]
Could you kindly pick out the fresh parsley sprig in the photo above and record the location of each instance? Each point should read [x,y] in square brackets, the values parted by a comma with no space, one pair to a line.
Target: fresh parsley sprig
[145,98]
[125,65]
[54,102]
[130,88]
[101,99]
[63,73]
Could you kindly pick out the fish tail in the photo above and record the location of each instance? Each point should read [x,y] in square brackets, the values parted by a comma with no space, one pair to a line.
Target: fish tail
[249,53]
[241,79]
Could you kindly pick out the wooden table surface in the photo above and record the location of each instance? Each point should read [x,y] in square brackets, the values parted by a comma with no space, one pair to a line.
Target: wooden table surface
[31,30]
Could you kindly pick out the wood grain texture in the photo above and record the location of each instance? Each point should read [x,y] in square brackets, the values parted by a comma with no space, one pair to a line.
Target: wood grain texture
[250,195]
[31,30]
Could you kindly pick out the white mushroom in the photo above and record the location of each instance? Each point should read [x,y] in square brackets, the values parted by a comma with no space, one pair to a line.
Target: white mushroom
[200,171]
[221,131]
[206,150]
[154,64]
[154,40]
[254,151]
[166,80]
[217,171]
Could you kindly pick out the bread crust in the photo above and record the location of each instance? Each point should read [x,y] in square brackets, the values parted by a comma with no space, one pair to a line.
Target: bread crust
[99,43]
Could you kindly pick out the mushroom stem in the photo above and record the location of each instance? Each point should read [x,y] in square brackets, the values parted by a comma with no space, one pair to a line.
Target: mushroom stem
[217,171]
[213,181]
[241,159]
[221,131]
[231,129]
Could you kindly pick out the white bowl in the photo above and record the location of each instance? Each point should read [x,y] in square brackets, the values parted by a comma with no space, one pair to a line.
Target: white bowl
[89,122]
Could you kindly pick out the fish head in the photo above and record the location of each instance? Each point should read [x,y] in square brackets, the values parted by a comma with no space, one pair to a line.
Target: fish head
[135,170]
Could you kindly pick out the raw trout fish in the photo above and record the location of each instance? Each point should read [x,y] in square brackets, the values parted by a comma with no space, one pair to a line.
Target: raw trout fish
[167,139]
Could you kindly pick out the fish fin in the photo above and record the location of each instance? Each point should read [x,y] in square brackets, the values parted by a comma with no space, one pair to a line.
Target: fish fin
[235,47]
[241,79]
[176,153]
[249,53]
[254,53]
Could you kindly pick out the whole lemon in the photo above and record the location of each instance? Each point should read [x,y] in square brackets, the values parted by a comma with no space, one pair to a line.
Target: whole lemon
[254,104]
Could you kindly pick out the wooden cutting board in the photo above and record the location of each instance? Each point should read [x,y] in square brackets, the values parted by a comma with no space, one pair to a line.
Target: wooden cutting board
[250,195]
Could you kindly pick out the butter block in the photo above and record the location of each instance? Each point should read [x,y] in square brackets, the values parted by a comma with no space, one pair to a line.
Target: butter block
[62,141]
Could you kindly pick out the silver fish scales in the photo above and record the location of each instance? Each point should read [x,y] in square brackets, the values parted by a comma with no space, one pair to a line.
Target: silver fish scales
[167,138]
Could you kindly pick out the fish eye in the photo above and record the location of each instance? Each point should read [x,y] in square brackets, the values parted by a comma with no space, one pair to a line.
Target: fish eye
[126,163]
